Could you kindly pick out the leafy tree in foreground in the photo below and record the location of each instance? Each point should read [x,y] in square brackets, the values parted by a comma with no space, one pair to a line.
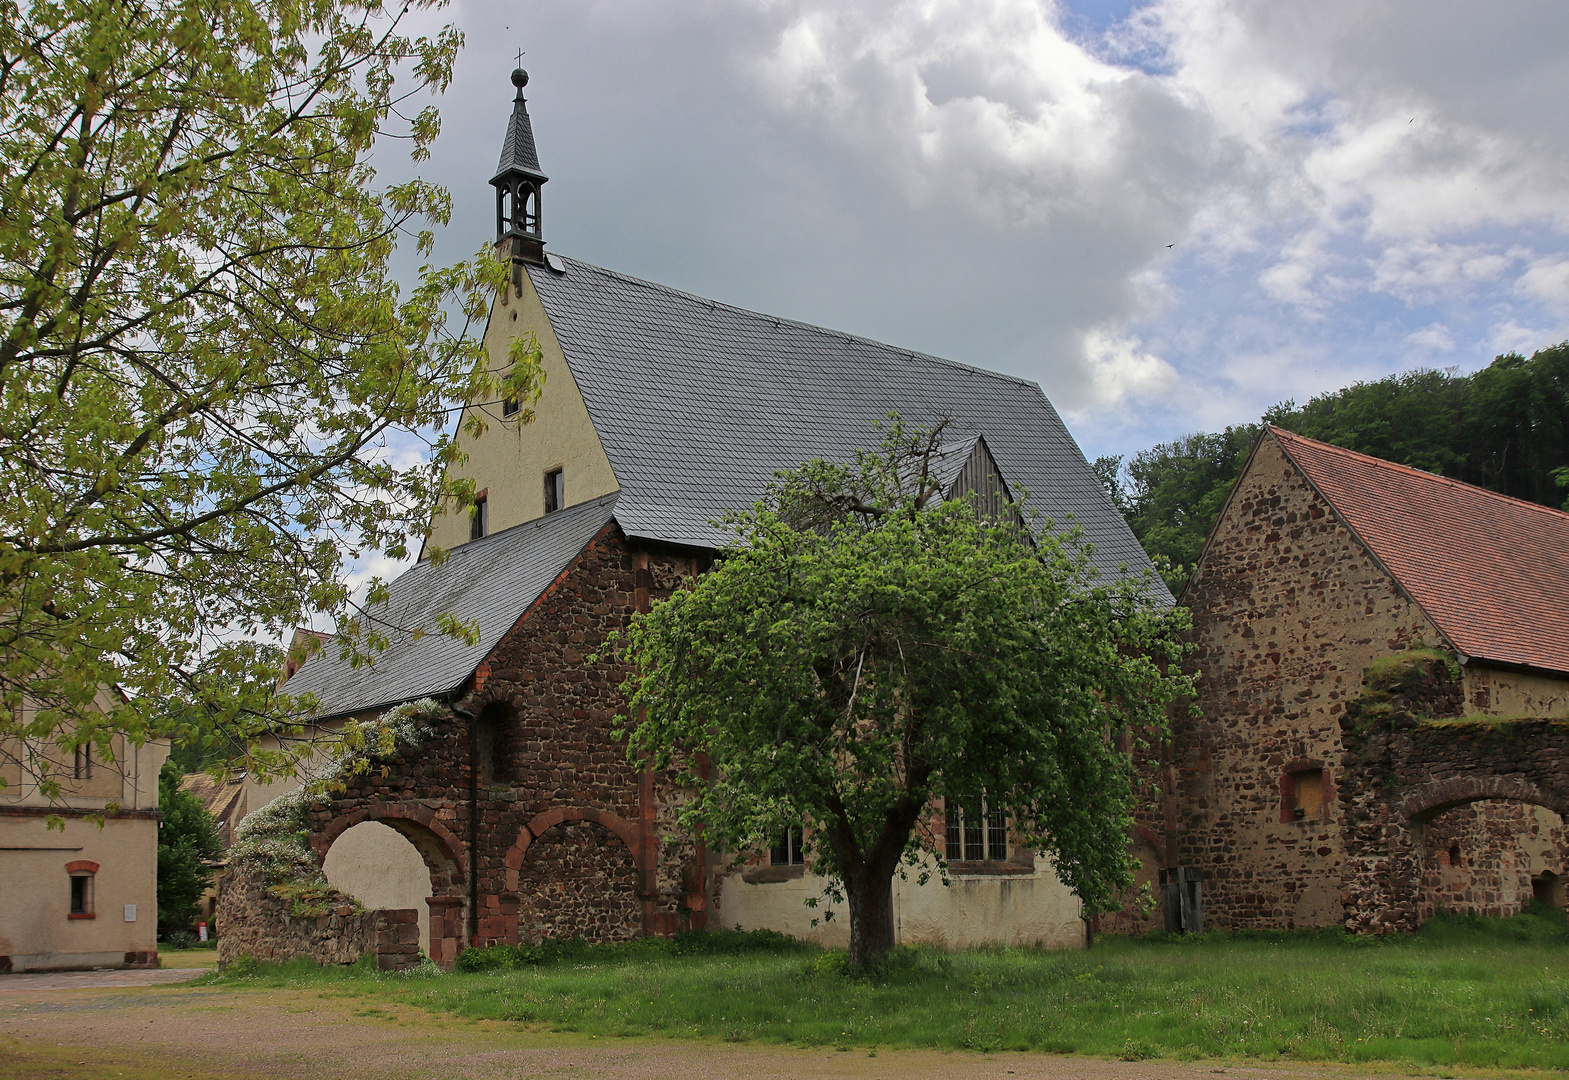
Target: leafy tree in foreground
[203,354]
[869,648]
[187,840]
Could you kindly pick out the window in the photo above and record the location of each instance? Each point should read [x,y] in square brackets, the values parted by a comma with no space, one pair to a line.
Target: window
[82,769]
[555,491]
[509,406]
[1302,794]
[82,873]
[787,850]
[490,744]
[977,836]
[479,518]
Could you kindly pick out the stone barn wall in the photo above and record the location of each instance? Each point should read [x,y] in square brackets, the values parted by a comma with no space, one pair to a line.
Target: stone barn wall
[1288,610]
[526,772]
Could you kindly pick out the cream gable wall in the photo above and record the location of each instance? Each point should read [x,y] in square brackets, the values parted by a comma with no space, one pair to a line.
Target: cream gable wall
[509,460]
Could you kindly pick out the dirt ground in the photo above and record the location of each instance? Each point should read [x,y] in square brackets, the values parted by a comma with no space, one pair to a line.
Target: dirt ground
[145,1026]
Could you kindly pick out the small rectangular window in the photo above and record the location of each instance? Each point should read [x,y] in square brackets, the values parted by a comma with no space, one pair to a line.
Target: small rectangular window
[555,491]
[786,850]
[478,518]
[81,895]
[509,406]
[82,769]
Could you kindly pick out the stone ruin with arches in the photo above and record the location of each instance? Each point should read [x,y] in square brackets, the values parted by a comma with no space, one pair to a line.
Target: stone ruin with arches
[1412,757]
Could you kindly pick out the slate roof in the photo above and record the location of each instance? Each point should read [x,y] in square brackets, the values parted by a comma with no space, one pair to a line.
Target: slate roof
[698,403]
[493,580]
[1490,571]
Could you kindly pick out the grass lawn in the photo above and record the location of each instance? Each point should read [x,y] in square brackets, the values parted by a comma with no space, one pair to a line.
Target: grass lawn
[1463,993]
[187,958]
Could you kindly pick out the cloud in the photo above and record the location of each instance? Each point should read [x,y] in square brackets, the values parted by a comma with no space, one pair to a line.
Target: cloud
[1208,206]
[1122,372]
[1434,337]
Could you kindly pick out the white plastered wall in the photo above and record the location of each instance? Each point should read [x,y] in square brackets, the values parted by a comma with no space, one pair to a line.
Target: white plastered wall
[1033,909]
[510,459]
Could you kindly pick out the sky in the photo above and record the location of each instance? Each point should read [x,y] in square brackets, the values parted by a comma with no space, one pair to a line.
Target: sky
[1171,215]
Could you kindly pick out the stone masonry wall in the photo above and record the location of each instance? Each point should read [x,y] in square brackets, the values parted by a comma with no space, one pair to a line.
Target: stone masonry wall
[1412,759]
[1481,858]
[1288,611]
[561,790]
[258,924]
[579,881]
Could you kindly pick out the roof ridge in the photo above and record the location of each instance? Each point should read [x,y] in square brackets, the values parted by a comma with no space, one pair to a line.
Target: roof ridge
[1385,463]
[711,303]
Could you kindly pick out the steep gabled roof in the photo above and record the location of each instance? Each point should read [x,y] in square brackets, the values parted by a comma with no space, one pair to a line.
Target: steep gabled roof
[1490,571]
[698,403]
[493,581]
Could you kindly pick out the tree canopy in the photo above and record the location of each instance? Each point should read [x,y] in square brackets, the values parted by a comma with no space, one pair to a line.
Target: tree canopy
[869,648]
[1505,428]
[187,841]
[204,357]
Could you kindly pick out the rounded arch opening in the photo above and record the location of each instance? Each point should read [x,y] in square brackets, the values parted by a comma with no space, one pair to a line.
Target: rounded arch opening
[441,905]
[381,868]
[1490,856]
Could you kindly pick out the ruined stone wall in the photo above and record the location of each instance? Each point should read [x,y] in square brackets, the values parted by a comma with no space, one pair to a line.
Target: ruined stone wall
[257,923]
[1482,858]
[1441,808]
[1288,611]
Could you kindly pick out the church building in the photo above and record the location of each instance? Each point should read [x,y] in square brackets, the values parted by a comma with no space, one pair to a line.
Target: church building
[521,817]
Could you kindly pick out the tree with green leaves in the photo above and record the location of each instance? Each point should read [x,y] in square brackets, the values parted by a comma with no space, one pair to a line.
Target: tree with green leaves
[187,842]
[869,650]
[206,367]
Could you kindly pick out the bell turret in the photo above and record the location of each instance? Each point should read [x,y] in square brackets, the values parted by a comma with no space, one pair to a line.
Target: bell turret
[518,179]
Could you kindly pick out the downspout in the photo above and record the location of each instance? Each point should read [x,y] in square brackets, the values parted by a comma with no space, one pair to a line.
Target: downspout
[473,919]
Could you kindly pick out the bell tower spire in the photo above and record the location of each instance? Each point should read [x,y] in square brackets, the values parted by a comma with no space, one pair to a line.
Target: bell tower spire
[518,180]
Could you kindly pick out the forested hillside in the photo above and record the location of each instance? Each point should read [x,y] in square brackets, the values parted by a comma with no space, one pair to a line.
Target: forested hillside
[1506,428]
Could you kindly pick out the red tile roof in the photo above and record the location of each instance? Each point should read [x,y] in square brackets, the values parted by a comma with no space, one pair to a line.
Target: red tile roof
[1492,572]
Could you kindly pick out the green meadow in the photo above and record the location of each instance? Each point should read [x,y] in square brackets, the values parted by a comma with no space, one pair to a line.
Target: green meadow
[1464,992]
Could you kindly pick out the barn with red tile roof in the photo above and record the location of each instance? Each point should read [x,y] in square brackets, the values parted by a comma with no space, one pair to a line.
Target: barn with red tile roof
[1325,565]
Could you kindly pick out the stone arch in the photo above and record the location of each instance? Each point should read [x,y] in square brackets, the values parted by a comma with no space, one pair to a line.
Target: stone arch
[575,872]
[442,852]
[620,826]
[1425,802]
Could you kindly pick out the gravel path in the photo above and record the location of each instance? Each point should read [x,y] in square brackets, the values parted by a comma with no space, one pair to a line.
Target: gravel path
[87,1024]
[32,982]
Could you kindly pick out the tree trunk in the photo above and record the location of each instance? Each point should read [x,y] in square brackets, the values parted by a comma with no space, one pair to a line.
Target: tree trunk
[871,918]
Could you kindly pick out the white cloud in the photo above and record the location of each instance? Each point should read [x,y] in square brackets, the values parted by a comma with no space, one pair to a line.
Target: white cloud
[1349,185]
[1435,337]
[1122,372]
[1547,280]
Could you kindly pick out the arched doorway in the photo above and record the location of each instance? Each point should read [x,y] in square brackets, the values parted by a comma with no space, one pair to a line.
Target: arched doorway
[575,875]
[1491,857]
[381,868]
[437,847]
